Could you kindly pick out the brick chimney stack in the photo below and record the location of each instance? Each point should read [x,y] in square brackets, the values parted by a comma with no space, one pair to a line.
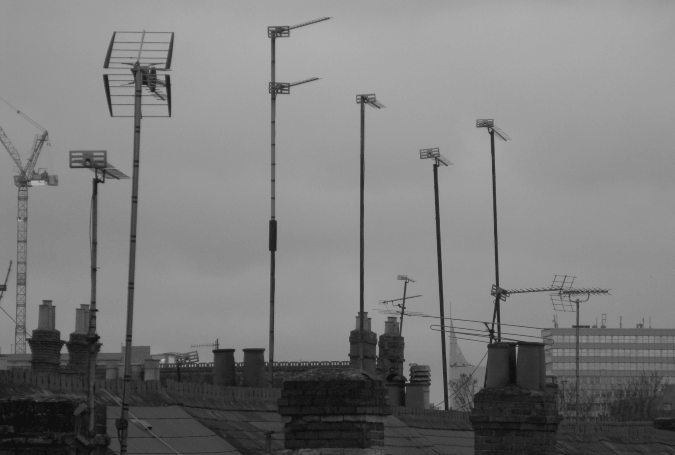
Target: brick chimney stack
[333,411]
[369,346]
[78,346]
[516,412]
[46,343]
[391,346]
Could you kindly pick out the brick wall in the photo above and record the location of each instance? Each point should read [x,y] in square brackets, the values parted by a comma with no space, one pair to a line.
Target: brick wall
[325,408]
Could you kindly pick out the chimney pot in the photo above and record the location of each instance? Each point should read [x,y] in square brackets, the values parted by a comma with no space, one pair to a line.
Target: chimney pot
[501,364]
[224,373]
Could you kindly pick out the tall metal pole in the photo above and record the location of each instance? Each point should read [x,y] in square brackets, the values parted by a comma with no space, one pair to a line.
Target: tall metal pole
[92,337]
[576,405]
[405,287]
[440,287]
[138,79]
[494,210]
[273,221]
[361,273]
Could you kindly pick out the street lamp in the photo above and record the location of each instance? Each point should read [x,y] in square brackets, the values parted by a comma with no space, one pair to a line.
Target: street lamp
[435,154]
[150,52]
[371,101]
[406,280]
[97,162]
[283,88]
[493,129]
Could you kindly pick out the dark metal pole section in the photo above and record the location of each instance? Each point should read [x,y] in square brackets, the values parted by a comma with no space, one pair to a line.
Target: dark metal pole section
[440,287]
[405,286]
[273,221]
[92,337]
[124,423]
[363,170]
[576,405]
[497,312]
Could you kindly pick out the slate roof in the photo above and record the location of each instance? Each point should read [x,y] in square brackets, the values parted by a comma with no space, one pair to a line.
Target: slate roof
[615,438]
[172,430]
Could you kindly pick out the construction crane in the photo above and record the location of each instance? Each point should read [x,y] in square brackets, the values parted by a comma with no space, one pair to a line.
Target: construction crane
[26,177]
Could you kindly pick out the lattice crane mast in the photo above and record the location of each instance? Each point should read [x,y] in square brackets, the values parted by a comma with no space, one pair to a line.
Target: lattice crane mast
[26,177]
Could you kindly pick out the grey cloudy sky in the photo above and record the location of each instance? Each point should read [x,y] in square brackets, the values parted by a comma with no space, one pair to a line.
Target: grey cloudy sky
[585,188]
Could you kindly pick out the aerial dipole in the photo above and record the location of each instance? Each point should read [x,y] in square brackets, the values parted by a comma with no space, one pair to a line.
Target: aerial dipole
[146,53]
[283,88]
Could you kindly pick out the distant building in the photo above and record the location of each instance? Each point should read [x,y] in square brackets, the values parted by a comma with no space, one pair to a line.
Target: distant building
[608,357]
[458,365]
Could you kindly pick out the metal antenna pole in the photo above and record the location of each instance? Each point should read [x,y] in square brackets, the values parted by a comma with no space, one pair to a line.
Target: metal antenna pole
[138,79]
[273,221]
[92,337]
[497,312]
[576,405]
[440,286]
[405,286]
[361,273]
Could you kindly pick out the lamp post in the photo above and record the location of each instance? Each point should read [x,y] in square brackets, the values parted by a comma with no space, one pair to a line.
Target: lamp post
[274,32]
[148,60]
[492,129]
[439,159]
[97,162]
[406,280]
[370,100]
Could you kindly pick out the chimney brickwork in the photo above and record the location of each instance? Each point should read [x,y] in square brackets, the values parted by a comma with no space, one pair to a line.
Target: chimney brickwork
[78,346]
[392,345]
[334,411]
[369,346]
[515,413]
[46,343]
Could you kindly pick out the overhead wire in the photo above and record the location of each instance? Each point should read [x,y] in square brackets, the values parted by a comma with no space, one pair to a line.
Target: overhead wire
[143,424]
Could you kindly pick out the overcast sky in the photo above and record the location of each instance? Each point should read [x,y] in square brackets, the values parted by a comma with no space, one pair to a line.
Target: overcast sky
[585,187]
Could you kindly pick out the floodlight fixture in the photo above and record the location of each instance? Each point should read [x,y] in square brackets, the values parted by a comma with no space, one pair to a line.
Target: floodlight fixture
[284,88]
[492,129]
[97,162]
[143,54]
[435,154]
[277,88]
[370,100]
[284,31]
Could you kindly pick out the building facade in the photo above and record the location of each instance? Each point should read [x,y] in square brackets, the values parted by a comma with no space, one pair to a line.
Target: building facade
[608,357]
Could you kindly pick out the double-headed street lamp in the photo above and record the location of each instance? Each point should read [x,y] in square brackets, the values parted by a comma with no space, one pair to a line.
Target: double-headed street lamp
[493,129]
[370,100]
[282,88]
[435,154]
[96,161]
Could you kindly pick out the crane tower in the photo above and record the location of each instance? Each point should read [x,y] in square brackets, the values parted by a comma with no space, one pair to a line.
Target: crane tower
[26,177]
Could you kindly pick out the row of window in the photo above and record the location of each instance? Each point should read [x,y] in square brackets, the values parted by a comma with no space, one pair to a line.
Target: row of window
[601,382]
[601,352]
[615,366]
[614,338]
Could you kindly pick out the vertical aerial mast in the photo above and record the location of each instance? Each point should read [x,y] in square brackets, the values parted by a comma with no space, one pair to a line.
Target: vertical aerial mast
[25,178]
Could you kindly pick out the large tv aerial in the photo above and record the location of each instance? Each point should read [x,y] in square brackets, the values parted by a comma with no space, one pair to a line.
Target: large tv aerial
[147,52]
